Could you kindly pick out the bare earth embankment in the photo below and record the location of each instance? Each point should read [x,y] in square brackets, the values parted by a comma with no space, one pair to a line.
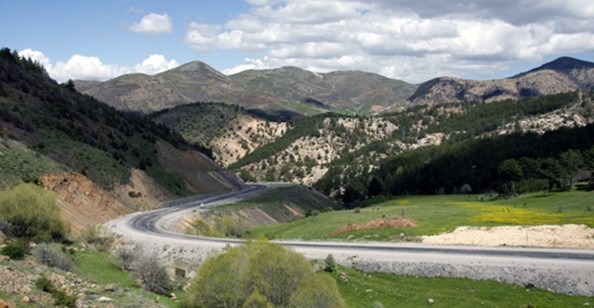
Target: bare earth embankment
[568,236]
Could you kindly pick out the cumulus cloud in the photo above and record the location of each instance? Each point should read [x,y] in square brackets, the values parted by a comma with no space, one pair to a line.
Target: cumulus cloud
[155,64]
[407,39]
[153,23]
[92,68]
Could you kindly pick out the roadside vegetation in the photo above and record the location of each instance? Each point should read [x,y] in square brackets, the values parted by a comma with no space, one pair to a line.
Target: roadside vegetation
[261,274]
[361,289]
[438,214]
[274,205]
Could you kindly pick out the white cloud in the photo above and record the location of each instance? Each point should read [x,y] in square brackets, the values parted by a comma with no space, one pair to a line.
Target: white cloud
[153,23]
[35,55]
[83,67]
[407,39]
[155,64]
[92,68]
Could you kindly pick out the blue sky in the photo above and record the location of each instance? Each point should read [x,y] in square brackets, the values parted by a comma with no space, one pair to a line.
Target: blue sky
[406,39]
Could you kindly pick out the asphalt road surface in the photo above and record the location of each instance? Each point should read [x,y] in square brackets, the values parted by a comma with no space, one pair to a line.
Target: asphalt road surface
[568,271]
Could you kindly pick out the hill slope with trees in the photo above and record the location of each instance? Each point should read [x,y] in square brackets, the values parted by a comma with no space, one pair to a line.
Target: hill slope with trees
[63,130]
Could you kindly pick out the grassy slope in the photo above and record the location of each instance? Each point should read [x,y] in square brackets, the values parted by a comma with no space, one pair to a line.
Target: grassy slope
[100,268]
[363,290]
[438,214]
[18,163]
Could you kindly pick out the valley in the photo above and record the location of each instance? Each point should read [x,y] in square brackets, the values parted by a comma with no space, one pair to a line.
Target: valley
[345,157]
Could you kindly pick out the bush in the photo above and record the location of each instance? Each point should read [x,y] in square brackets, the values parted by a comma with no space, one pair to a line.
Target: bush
[126,255]
[14,251]
[311,213]
[259,273]
[330,263]
[44,284]
[317,291]
[62,299]
[51,257]
[98,237]
[31,212]
[153,276]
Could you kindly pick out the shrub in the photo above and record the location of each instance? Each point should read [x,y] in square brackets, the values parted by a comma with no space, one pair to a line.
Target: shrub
[31,212]
[51,257]
[61,298]
[126,255]
[311,213]
[14,251]
[98,237]
[357,210]
[44,284]
[317,291]
[258,273]
[152,274]
[330,264]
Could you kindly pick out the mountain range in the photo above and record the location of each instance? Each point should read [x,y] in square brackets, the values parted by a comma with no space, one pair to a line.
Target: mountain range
[294,91]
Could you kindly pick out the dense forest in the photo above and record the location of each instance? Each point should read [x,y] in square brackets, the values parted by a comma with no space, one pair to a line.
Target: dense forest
[507,164]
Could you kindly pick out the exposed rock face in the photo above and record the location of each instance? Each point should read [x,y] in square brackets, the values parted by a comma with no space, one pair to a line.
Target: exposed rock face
[561,75]
[142,192]
[245,134]
[82,202]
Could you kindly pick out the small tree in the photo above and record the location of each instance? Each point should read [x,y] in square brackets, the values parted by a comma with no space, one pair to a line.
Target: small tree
[152,273]
[511,171]
[330,263]
[466,189]
[572,161]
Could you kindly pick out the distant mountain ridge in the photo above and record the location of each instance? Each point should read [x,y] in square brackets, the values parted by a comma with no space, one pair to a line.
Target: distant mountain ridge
[282,89]
[298,91]
[564,74]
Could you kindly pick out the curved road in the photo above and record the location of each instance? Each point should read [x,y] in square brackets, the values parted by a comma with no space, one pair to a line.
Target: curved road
[562,270]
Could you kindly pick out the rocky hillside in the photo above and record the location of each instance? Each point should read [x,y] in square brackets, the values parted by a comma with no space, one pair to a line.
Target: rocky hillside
[559,76]
[287,89]
[328,150]
[304,159]
[229,131]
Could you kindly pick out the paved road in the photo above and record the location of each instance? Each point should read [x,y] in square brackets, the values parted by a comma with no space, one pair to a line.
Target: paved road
[562,270]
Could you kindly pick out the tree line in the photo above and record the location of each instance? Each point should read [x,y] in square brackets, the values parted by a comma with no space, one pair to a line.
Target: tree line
[508,164]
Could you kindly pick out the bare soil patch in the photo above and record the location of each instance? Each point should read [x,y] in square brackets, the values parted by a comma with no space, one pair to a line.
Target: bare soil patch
[399,221]
[568,236]
[81,201]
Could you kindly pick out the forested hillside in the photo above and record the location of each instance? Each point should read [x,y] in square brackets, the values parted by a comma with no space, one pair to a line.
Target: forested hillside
[331,150]
[507,164]
[82,134]
[459,126]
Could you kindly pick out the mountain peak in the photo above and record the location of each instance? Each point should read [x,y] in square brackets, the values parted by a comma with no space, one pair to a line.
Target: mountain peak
[564,64]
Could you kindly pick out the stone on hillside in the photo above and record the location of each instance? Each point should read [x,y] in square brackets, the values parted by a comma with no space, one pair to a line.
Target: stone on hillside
[112,287]
[104,299]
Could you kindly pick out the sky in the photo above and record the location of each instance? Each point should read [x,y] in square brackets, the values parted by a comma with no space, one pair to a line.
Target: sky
[411,40]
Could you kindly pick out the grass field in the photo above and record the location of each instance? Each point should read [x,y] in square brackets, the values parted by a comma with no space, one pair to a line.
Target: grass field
[370,290]
[439,214]
[100,268]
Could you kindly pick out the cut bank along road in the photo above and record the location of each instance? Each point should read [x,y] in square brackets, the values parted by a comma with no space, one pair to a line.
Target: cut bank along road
[568,271]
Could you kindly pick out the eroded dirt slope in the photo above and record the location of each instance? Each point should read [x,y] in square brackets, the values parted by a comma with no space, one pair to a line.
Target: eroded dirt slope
[82,202]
